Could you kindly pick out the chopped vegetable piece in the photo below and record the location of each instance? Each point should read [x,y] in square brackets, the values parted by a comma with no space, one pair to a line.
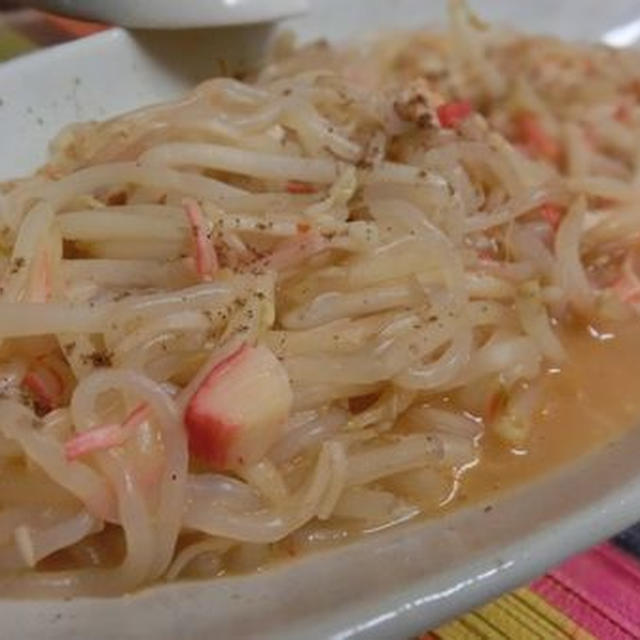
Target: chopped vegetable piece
[240,409]
[514,418]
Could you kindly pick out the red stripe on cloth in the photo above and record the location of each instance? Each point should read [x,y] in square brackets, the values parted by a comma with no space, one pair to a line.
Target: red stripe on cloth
[600,590]
[610,577]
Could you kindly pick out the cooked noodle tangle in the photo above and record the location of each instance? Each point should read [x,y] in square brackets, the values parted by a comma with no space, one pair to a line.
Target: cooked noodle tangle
[405,224]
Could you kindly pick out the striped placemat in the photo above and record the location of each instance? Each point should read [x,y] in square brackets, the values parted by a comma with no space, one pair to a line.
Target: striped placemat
[592,595]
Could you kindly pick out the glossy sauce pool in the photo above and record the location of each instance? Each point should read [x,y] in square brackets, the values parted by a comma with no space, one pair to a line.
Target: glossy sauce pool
[591,401]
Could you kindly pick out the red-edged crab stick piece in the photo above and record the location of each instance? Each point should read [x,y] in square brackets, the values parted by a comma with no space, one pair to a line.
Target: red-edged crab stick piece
[240,409]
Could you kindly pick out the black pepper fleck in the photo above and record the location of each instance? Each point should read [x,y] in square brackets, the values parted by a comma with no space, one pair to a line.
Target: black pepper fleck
[98,358]
[69,347]
[17,264]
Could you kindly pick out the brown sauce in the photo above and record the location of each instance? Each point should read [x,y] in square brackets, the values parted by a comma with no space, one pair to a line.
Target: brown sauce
[593,400]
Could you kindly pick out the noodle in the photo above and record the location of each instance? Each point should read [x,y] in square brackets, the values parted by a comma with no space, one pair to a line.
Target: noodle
[287,311]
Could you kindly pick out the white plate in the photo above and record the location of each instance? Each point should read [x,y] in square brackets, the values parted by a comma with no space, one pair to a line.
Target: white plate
[391,585]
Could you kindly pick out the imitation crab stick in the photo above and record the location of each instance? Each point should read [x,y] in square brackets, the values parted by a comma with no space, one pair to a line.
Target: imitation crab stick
[46,385]
[298,187]
[294,250]
[552,213]
[106,436]
[41,284]
[536,139]
[240,409]
[206,258]
[451,114]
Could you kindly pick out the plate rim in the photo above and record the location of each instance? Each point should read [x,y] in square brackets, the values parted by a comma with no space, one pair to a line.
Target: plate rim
[615,509]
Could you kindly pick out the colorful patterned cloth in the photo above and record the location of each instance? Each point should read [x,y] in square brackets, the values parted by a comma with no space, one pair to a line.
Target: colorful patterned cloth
[593,595]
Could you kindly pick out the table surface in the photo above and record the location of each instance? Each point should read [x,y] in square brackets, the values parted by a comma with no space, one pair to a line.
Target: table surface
[595,594]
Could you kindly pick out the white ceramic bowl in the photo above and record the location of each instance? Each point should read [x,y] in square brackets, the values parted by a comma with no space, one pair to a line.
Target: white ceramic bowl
[172,14]
[388,586]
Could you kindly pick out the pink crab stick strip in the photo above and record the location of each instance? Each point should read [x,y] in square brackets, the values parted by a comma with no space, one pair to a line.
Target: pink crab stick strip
[206,257]
[293,251]
[41,285]
[106,436]
[46,385]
